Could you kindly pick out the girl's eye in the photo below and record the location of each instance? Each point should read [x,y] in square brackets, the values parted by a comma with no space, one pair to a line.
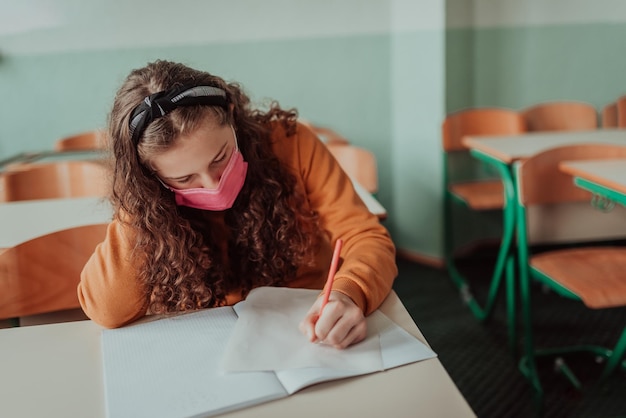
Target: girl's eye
[184,180]
[219,159]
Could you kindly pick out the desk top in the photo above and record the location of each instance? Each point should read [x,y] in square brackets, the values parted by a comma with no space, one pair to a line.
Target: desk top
[28,219]
[24,220]
[56,370]
[608,173]
[510,148]
[370,201]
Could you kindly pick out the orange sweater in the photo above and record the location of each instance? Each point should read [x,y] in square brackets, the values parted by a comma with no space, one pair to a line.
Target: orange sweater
[111,296]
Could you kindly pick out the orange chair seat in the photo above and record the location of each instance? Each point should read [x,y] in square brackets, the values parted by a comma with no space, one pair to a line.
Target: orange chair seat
[596,274]
[480,195]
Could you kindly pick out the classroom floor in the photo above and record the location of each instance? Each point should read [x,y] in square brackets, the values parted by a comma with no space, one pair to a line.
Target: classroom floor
[477,357]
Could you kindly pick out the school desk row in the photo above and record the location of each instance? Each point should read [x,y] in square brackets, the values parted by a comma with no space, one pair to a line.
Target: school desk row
[504,152]
[33,160]
[24,220]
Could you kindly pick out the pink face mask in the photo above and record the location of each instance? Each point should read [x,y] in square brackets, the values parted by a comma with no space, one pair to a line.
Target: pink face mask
[224,195]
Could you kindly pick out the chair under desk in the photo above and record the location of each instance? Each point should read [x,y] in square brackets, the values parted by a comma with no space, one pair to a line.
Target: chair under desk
[502,152]
[607,180]
[56,370]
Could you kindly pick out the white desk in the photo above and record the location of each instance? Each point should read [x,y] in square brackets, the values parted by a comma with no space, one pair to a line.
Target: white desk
[504,151]
[24,220]
[370,201]
[510,148]
[56,371]
[604,177]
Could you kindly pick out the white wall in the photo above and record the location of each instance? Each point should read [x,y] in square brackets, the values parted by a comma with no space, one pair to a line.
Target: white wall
[43,26]
[510,13]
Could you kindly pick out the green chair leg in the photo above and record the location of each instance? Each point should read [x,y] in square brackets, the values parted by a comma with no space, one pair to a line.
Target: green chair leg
[615,357]
[511,303]
[505,262]
[561,367]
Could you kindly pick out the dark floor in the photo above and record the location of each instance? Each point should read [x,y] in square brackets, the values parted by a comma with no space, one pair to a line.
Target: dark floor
[485,370]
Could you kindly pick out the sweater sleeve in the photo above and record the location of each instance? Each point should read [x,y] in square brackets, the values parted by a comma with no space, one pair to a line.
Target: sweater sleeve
[368,265]
[109,291]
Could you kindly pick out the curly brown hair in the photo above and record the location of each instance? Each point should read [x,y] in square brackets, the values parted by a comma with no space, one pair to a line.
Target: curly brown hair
[184,253]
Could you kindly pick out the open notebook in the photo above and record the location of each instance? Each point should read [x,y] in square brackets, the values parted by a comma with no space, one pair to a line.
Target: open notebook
[182,366]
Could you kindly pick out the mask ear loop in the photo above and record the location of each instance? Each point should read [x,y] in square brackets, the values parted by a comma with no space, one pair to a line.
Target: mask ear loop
[235,136]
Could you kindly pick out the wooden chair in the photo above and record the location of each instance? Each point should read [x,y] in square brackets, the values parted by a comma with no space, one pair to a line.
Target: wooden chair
[561,116]
[471,190]
[61,179]
[609,115]
[90,140]
[358,163]
[41,275]
[592,274]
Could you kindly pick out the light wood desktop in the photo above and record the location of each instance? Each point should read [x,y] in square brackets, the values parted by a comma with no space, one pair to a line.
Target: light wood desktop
[56,371]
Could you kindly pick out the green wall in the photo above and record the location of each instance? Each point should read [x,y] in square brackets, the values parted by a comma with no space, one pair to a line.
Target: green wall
[340,82]
[57,94]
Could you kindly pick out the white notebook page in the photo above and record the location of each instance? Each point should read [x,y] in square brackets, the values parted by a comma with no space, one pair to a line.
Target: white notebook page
[169,368]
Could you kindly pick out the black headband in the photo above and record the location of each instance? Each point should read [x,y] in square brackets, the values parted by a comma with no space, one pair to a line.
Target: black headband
[160,104]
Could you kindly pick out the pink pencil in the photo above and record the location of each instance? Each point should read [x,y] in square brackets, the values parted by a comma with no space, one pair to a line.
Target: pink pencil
[331,274]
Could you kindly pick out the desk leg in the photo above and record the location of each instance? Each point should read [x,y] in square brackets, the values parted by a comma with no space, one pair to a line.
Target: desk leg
[505,262]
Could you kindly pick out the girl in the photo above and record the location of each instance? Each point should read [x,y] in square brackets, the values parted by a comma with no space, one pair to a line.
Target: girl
[213,198]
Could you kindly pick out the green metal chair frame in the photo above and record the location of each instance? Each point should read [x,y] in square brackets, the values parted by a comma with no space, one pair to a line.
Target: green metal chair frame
[481,121]
[528,273]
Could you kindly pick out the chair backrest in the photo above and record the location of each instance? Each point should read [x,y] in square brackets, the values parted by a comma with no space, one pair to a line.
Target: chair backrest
[326,135]
[90,140]
[541,182]
[479,121]
[358,163]
[561,116]
[621,112]
[61,179]
[41,275]
[609,115]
